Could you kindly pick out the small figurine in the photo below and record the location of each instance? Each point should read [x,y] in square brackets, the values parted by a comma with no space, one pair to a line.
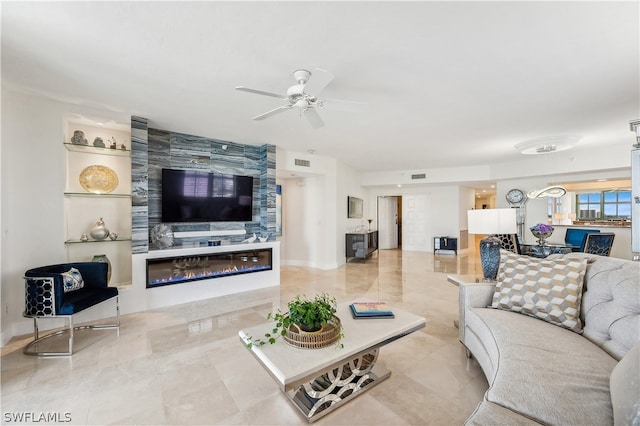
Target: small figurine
[112,143]
[78,138]
[98,142]
[122,147]
[250,239]
[84,238]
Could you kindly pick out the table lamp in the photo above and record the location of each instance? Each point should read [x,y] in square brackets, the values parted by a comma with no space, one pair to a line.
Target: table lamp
[491,222]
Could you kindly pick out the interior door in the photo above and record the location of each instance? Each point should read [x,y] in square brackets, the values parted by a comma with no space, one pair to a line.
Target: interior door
[416,216]
[387,223]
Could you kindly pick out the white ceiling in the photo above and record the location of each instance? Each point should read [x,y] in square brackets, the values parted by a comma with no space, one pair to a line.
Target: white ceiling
[447,83]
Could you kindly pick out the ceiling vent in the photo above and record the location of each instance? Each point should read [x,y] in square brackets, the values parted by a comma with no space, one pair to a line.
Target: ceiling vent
[302,163]
[419,176]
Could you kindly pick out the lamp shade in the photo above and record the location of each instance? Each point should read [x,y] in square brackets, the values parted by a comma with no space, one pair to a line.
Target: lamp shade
[492,221]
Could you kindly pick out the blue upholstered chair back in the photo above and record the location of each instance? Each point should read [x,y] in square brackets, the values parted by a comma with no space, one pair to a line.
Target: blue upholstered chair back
[44,289]
[575,237]
[509,242]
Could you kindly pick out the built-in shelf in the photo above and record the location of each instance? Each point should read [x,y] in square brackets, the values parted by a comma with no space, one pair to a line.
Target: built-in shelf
[216,233]
[91,194]
[97,150]
[106,240]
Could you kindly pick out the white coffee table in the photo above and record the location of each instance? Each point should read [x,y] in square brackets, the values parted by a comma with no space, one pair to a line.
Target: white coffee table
[318,381]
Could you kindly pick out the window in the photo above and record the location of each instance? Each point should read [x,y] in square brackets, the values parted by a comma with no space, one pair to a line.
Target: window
[605,205]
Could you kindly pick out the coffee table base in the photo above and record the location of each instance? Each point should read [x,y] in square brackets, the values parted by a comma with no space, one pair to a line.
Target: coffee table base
[328,391]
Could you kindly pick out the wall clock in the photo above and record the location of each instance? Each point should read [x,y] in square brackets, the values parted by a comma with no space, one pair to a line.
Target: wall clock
[516,197]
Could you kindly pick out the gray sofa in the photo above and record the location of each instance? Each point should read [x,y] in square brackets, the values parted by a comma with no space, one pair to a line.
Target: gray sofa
[542,373]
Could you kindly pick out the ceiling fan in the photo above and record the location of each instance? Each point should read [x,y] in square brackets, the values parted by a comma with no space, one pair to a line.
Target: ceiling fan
[299,96]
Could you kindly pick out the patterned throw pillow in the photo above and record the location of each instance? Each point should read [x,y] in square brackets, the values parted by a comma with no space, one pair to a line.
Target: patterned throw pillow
[550,290]
[72,280]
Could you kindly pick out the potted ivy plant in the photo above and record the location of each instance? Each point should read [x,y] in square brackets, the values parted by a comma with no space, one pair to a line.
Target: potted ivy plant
[304,315]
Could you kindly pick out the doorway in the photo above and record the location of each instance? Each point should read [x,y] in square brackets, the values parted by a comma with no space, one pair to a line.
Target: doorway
[389,222]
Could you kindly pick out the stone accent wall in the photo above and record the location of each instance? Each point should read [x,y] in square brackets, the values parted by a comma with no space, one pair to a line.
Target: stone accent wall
[139,186]
[166,149]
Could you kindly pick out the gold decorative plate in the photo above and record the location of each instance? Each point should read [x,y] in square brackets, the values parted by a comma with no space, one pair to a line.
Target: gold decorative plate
[98,179]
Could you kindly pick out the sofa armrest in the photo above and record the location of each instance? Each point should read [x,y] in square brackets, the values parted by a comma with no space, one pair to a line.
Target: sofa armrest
[473,295]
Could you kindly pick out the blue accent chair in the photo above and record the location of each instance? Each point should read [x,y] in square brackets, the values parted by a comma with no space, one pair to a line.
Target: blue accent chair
[575,237]
[45,297]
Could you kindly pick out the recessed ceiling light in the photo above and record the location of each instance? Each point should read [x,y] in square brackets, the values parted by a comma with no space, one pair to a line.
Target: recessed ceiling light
[399,186]
[547,144]
[99,123]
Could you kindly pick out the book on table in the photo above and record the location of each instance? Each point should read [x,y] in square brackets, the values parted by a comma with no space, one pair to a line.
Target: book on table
[371,310]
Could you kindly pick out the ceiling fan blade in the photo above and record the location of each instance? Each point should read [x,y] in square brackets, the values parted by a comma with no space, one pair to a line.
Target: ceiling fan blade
[272,112]
[261,92]
[313,117]
[340,105]
[318,81]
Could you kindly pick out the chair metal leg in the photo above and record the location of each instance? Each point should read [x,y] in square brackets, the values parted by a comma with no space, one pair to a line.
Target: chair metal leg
[37,339]
[68,329]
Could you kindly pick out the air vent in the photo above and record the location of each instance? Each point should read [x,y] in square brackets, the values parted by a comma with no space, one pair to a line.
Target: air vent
[302,163]
[419,176]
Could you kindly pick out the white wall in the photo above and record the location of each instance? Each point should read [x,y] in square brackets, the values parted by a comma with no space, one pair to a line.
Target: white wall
[311,211]
[301,227]
[444,211]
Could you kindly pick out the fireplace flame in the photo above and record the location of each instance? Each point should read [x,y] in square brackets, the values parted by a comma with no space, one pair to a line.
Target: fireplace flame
[187,269]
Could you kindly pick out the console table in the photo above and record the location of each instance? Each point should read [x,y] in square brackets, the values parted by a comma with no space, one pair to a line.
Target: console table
[445,243]
[317,381]
[361,244]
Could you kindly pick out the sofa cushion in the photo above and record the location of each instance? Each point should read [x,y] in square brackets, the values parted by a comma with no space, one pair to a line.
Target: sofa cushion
[611,303]
[72,280]
[625,389]
[550,290]
[547,373]
[488,413]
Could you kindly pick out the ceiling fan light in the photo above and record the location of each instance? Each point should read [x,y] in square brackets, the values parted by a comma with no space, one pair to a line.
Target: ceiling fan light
[547,144]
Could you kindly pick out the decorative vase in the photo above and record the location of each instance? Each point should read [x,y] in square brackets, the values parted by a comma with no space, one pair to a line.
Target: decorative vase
[490,257]
[542,237]
[102,258]
[98,142]
[100,231]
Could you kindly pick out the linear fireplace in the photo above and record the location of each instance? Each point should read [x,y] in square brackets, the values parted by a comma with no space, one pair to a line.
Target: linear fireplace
[182,269]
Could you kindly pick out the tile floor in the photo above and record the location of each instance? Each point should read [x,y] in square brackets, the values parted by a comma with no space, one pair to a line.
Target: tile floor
[186,365]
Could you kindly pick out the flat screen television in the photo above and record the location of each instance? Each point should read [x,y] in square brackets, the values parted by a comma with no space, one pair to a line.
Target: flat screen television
[199,196]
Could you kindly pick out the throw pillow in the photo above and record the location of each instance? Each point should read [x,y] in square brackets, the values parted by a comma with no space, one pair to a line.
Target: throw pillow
[72,280]
[550,290]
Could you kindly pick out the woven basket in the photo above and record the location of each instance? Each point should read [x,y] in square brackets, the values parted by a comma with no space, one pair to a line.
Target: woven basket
[328,335]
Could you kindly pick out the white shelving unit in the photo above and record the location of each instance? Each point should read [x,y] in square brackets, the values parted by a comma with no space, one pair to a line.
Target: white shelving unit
[82,209]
